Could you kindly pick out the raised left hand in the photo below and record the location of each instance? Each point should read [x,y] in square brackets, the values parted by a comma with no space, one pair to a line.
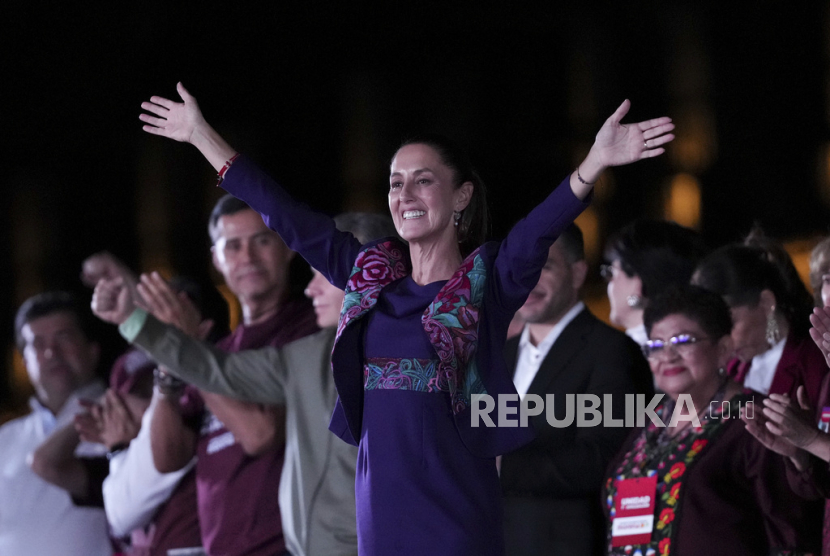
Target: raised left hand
[618,144]
[172,307]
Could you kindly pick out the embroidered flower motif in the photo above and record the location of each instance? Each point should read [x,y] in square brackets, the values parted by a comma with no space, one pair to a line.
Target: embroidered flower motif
[401,374]
[664,546]
[451,322]
[671,500]
[675,472]
[373,267]
[666,517]
[697,446]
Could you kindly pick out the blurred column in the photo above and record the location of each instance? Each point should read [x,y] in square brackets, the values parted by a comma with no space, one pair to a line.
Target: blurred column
[823,163]
[362,164]
[695,146]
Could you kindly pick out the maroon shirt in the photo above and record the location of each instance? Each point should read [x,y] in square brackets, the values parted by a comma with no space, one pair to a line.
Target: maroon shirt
[175,526]
[237,494]
[802,363]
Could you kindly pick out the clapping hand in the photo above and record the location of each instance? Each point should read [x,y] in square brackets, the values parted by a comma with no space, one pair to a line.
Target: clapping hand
[757,427]
[820,332]
[791,421]
[88,424]
[172,307]
[113,421]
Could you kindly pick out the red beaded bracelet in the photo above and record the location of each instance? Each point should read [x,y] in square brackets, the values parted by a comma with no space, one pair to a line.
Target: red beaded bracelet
[225,169]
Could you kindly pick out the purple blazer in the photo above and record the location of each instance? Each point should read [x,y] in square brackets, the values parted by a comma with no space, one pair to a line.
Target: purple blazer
[503,274]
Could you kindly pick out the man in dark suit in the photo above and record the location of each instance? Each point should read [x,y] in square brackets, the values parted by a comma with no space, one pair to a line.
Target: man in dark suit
[552,485]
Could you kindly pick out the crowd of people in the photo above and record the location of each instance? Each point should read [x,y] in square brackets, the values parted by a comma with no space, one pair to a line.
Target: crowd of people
[342,422]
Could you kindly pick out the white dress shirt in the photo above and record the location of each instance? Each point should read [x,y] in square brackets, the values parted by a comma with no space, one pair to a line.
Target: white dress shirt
[36,517]
[134,490]
[530,357]
[762,370]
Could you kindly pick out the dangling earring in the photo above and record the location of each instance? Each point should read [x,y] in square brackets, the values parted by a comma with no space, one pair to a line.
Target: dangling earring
[456,216]
[773,332]
[721,372]
[634,301]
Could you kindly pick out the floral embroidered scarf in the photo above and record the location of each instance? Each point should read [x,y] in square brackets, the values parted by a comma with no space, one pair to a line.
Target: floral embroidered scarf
[450,321]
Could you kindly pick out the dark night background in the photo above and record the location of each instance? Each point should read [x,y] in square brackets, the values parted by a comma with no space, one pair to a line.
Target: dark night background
[322,94]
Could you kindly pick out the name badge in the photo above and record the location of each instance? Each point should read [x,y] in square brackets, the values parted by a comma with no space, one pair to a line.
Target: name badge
[634,511]
[824,424]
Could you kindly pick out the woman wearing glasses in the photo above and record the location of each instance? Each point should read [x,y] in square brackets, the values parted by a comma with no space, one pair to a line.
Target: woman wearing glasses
[773,352]
[701,484]
[645,258]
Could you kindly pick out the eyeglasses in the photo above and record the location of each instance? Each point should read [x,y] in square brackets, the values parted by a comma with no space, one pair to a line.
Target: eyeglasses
[607,272]
[682,344]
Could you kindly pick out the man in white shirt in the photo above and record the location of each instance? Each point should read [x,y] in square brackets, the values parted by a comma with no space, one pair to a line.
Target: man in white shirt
[552,485]
[37,518]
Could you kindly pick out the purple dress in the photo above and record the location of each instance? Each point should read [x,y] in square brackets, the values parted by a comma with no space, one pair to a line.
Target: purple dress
[455,505]
[426,481]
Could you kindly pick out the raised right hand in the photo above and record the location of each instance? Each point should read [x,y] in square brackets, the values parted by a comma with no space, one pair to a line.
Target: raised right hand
[757,427]
[111,301]
[790,420]
[176,120]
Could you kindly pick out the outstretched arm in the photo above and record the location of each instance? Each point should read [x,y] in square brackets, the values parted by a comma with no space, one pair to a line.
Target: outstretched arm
[251,375]
[311,234]
[525,250]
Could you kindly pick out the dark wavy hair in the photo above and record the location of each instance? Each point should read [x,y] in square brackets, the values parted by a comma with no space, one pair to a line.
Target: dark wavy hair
[48,303]
[739,273]
[706,308]
[661,253]
[475,221]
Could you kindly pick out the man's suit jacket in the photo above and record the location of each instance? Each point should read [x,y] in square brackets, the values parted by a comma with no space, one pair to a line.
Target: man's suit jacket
[552,485]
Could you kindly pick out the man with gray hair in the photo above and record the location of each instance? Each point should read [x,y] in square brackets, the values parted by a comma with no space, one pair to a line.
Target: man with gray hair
[317,482]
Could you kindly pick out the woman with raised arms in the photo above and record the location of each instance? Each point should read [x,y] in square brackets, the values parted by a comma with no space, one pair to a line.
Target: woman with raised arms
[423,322]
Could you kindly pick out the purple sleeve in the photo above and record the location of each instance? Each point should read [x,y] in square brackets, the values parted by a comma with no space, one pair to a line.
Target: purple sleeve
[309,233]
[524,252]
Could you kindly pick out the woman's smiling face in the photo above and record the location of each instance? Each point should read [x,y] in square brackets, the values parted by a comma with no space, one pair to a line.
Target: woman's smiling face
[423,195]
[690,369]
